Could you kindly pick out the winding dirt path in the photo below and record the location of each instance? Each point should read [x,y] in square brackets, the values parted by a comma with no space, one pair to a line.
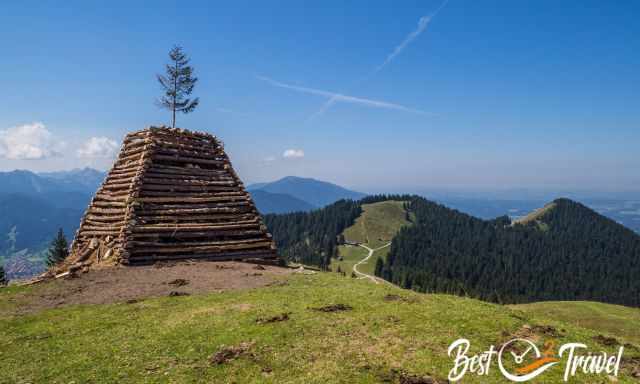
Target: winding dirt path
[363,275]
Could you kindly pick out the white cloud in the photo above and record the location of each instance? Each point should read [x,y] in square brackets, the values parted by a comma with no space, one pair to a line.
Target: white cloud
[293,154]
[98,147]
[28,142]
[337,97]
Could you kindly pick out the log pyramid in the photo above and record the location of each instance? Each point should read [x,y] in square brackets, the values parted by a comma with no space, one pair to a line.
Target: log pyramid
[172,194]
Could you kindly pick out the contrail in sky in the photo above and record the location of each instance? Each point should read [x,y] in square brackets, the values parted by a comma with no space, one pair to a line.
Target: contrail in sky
[338,97]
[422,25]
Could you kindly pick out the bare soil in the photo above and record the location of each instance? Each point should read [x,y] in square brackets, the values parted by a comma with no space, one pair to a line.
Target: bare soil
[130,284]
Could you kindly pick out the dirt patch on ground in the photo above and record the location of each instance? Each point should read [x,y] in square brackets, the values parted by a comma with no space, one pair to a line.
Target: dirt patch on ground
[333,308]
[274,319]
[227,354]
[606,341]
[391,298]
[131,284]
[401,377]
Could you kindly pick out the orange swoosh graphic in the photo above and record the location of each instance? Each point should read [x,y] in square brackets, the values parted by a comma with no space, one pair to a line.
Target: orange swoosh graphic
[536,364]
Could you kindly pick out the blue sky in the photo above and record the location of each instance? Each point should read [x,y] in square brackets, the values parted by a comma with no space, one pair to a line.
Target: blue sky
[481,95]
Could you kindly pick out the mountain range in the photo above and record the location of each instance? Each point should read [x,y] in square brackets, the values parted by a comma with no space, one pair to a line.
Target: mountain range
[34,205]
[314,192]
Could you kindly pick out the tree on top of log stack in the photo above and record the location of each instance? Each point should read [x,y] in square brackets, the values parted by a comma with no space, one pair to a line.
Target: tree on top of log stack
[177,84]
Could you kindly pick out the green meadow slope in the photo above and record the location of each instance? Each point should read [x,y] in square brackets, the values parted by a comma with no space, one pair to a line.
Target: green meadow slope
[378,223]
[375,227]
[610,320]
[386,334]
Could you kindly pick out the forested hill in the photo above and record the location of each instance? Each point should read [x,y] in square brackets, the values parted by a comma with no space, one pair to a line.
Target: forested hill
[564,251]
[311,238]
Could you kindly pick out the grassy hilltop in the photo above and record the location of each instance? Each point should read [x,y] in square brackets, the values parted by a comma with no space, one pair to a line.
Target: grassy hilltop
[375,227]
[273,334]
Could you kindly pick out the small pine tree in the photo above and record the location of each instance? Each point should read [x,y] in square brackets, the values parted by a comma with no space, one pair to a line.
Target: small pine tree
[3,277]
[58,249]
[177,84]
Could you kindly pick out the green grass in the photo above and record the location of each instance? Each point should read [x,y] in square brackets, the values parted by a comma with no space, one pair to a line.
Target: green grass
[607,319]
[170,340]
[376,227]
[378,223]
[536,215]
[369,266]
[350,256]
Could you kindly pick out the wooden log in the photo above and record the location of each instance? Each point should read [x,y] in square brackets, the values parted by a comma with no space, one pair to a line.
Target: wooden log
[228,232]
[142,147]
[162,143]
[99,233]
[115,174]
[183,137]
[194,227]
[187,182]
[213,219]
[240,255]
[105,197]
[186,200]
[200,249]
[180,194]
[106,218]
[106,211]
[156,244]
[113,185]
[144,208]
[192,160]
[91,224]
[122,169]
[186,179]
[102,227]
[136,157]
[188,188]
[113,193]
[207,153]
[109,204]
[186,171]
[189,211]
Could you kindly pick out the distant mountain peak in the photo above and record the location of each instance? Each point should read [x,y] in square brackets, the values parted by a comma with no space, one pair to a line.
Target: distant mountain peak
[318,193]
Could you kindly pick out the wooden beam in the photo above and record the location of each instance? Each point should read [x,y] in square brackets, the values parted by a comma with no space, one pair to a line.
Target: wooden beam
[192,160]
[217,198]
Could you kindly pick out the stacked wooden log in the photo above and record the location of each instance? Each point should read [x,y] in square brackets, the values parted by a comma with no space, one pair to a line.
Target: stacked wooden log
[172,194]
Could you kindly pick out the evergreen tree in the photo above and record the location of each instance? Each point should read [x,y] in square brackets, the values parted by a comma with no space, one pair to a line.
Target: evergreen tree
[58,250]
[379,266]
[3,277]
[177,84]
[567,253]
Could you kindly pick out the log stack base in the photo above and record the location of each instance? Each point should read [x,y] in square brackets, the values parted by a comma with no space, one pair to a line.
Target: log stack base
[172,194]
